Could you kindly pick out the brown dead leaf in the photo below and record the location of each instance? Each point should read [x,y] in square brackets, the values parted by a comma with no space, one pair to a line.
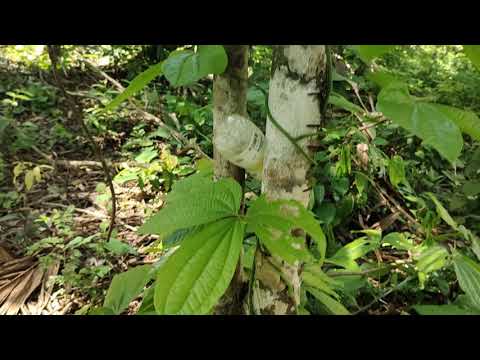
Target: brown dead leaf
[46,289]
[20,293]
[4,255]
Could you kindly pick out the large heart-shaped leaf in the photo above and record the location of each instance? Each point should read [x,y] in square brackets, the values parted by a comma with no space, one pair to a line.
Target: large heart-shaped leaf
[424,120]
[273,222]
[195,201]
[186,67]
[194,278]
[467,121]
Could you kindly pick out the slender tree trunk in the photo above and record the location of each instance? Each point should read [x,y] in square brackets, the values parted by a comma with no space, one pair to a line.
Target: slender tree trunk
[298,74]
[229,97]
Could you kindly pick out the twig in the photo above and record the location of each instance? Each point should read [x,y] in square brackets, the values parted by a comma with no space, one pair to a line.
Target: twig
[91,213]
[368,306]
[53,53]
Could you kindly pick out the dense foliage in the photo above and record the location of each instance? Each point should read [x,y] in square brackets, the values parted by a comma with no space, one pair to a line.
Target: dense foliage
[393,217]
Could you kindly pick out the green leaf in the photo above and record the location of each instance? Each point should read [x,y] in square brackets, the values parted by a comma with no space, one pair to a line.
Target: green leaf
[473,53]
[119,247]
[326,212]
[398,241]
[396,170]
[332,305]
[137,84]
[361,182]
[147,155]
[382,78]
[347,255]
[125,287]
[467,121]
[468,274]
[147,307]
[471,188]
[424,120]
[442,310]
[316,279]
[369,52]
[319,193]
[194,201]
[101,311]
[432,259]
[195,277]
[186,67]
[273,223]
[29,179]
[442,212]
[339,101]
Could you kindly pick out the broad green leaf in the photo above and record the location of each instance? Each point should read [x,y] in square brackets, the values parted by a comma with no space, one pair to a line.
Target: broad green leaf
[212,59]
[137,84]
[424,120]
[369,52]
[382,78]
[273,223]
[194,278]
[177,236]
[432,259]
[339,101]
[473,53]
[347,255]
[467,121]
[468,275]
[396,170]
[442,212]
[442,310]
[125,287]
[317,281]
[194,201]
[326,212]
[186,67]
[398,241]
[332,305]
[147,155]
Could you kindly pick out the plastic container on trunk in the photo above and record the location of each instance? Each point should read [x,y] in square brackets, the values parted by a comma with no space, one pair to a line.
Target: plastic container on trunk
[242,143]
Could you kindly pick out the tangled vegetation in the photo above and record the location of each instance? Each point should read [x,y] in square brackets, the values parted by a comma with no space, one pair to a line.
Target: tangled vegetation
[393,219]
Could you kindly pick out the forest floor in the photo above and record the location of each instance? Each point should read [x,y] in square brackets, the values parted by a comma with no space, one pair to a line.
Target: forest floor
[69,185]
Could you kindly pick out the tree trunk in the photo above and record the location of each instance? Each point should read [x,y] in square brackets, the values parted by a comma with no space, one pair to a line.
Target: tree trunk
[298,79]
[229,97]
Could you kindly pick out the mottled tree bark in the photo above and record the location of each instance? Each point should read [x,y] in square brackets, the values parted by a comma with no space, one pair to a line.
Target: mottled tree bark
[229,97]
[298,77]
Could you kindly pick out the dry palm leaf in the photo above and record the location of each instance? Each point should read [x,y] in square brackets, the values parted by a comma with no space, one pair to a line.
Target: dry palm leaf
[19,278]
[4,255]
[24,286]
